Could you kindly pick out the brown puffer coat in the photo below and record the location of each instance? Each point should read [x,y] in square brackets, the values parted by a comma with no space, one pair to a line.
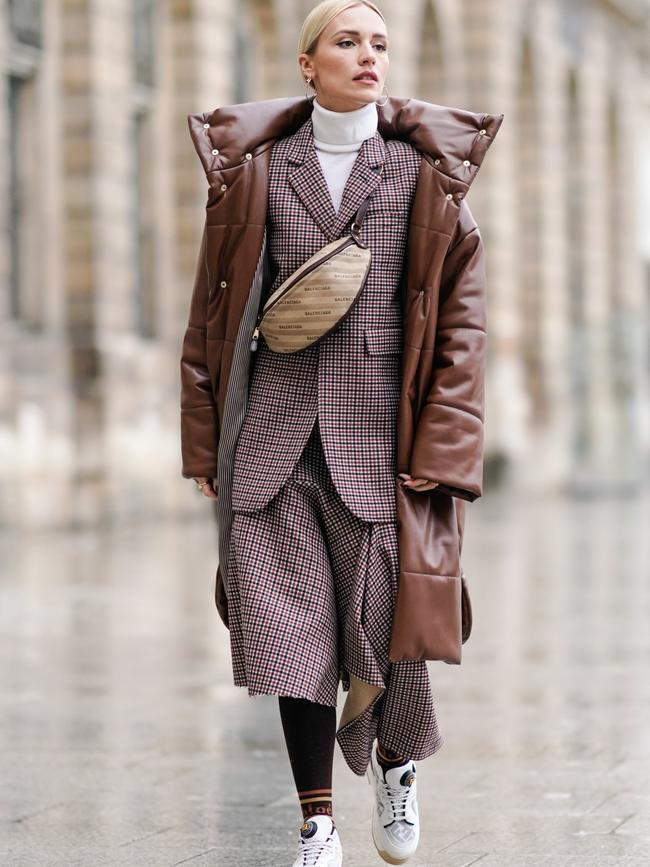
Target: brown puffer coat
[441,413]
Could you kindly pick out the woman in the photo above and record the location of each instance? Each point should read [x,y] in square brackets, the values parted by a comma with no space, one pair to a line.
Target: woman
[310,454]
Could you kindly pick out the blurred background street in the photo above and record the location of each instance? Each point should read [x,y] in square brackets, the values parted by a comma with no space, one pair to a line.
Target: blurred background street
[123,740]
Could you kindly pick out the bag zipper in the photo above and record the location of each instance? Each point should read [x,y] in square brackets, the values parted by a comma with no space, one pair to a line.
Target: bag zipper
[329,330]
[347,241]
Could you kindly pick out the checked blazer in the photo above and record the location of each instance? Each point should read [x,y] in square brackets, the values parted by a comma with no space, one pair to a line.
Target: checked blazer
[351,378]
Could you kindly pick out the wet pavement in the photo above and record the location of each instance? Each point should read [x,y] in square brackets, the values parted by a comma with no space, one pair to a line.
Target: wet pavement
[124,742]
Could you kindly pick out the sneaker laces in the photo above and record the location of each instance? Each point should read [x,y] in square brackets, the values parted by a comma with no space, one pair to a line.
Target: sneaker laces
[313,849]
[397,797]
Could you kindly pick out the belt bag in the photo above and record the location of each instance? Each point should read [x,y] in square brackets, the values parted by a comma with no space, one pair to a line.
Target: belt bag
[318,296]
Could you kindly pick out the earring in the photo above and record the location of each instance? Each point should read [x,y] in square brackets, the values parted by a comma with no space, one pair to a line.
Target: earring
[309,95]
[386,100]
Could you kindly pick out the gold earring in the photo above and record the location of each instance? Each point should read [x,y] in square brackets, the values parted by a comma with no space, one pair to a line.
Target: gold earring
[386,100]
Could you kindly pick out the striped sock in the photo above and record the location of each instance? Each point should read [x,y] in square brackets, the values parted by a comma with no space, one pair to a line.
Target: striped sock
[315,802]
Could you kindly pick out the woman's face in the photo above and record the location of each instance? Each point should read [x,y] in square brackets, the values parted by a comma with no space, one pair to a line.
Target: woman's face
[352,43]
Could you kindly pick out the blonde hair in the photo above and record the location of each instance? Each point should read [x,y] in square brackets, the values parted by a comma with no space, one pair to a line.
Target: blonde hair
[320,16]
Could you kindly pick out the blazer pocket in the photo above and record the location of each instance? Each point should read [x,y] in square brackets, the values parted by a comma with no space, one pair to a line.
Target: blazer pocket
[382,340]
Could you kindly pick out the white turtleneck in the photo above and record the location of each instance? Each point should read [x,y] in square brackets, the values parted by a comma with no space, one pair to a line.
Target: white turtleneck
[338,136]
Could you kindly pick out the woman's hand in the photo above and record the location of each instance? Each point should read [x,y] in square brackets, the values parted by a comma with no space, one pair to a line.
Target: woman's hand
[417,484]
[207,489]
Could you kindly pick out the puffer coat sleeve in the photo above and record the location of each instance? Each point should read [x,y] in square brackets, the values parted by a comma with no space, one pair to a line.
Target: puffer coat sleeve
[199,416]
[448,441]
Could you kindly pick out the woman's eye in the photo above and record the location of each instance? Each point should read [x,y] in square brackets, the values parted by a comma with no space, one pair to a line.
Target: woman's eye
[350,42]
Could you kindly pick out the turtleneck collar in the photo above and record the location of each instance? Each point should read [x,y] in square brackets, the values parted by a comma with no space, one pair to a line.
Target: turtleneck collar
[339,131]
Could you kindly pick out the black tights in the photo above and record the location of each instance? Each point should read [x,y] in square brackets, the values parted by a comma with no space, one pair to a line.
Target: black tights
[310,732]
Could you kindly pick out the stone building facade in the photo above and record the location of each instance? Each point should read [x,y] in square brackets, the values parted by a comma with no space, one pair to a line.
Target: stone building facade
[102,206]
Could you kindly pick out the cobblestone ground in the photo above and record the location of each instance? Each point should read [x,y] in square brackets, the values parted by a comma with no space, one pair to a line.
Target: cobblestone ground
[124,742]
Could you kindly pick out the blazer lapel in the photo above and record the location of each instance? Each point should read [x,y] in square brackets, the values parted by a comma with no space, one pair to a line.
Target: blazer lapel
[307,178]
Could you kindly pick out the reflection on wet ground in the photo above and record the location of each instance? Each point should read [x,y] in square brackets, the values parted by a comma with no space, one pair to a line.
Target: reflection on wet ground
[124,742]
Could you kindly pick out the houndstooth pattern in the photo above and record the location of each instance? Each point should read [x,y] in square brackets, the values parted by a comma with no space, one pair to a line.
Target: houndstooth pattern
[351,379]
[311,593]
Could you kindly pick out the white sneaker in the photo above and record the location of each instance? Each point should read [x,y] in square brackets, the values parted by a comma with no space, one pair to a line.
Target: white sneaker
[395,820]
[320,845]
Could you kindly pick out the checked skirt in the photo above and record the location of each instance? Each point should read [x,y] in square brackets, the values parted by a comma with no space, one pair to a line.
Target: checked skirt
[311,593]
